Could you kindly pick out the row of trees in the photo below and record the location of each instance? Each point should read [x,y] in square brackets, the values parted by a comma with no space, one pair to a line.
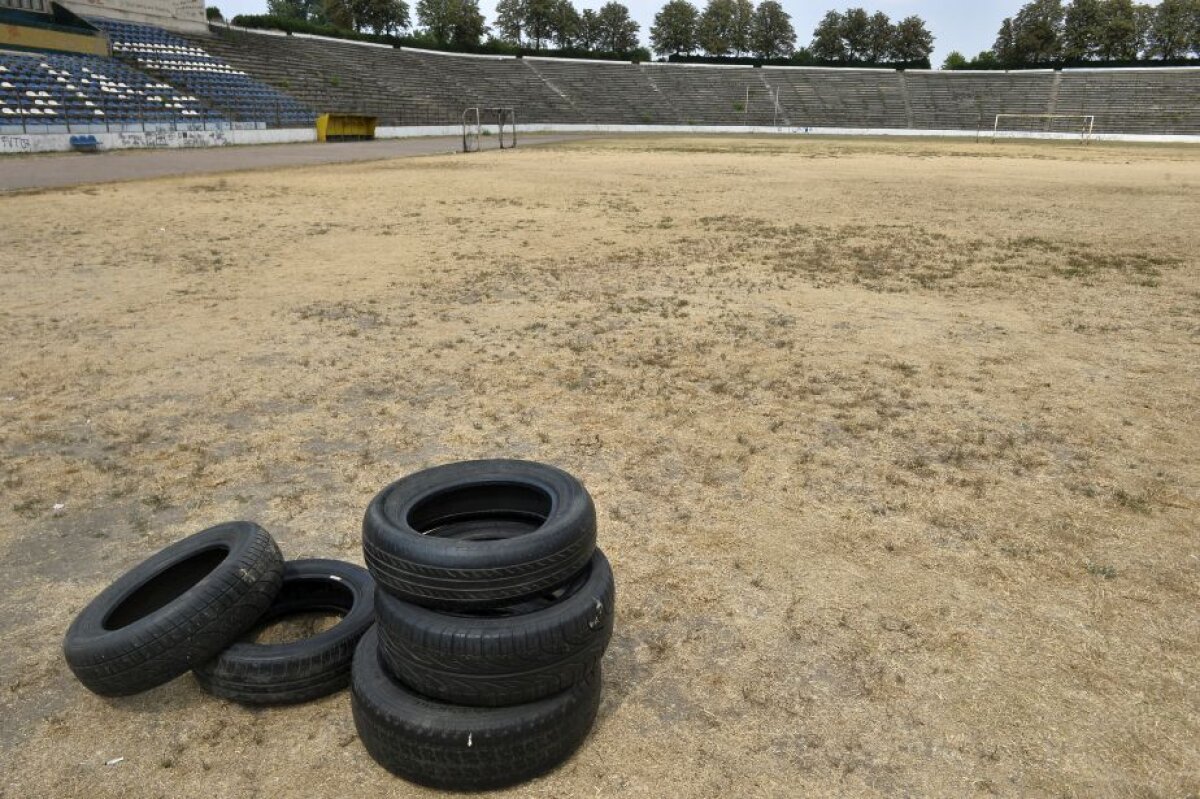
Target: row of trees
[736,27]
[856,36]
[1051,32]
[376,16]
[725,28]
[460,24]
[537,23]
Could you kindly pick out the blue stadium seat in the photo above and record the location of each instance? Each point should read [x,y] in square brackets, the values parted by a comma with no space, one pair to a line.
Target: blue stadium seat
[201,74]
[52,91]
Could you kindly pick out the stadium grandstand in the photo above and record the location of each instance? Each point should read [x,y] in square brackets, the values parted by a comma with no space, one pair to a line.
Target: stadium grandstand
[77,68]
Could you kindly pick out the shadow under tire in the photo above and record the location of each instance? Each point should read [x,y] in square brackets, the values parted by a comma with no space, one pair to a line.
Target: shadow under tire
[478,534]
[504,656]
[298,671]
[453,747]
[174,611]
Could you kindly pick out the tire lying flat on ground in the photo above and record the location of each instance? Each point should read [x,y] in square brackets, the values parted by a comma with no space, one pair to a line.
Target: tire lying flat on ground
[453,747]
[479,534]
[175,610]
[504,656]
[299,671]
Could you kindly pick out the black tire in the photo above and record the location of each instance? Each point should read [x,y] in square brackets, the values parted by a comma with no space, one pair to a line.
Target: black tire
[505,656]
[453,747]
[298,671]
[175,610]
[479,534]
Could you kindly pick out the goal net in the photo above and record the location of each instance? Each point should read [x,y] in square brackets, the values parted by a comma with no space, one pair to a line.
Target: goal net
[474,119]
[1081,125]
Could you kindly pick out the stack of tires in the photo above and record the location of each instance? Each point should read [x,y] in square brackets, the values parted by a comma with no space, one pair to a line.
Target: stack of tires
[493,609]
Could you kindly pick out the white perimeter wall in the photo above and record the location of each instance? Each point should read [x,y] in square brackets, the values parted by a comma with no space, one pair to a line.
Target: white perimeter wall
[61,142]
[455,130]
[163,139]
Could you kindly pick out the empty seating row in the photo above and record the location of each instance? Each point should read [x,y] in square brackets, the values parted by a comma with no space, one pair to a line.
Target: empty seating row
[185,64]
[68,93]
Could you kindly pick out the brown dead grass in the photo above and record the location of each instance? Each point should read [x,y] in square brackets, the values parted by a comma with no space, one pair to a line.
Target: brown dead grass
[894,446]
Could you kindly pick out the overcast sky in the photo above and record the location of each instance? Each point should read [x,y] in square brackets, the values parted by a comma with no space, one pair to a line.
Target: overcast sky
[964,25]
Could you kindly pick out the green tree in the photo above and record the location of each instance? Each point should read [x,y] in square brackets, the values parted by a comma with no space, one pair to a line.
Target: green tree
[564,24]
[718,27]
[827,43]
[880,36]
[985,60]
[616,30]
[589,30]
[1143,14]
[339,14]
[1120,36]
[539,21]
[1174,29]
[773,35]
[912,41]
[1005,47]
[510,20]
[379,16]
[304,10]
[856,33]
[456,23]
[743,26]
[1037,32]
[1083,28]
[674,28]
[212,14]
[956,60]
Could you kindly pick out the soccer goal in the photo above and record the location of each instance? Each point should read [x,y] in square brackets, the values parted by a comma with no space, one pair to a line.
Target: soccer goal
[1075,124]
[772,97]
[473,120]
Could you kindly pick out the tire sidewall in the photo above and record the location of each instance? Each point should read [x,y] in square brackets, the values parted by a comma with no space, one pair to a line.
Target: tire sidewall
[572,515]
[592,605]
[357,620]
[88,631]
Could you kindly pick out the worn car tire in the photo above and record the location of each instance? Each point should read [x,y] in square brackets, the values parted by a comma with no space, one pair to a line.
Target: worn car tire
[298,671]
[175,610]
[478,534]
[453,747]
[506,656]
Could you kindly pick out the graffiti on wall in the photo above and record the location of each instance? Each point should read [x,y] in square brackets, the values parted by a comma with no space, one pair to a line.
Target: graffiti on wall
[16,144]
[170,138]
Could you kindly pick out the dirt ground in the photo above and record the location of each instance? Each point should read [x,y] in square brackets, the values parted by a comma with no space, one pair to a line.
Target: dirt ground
[894,446]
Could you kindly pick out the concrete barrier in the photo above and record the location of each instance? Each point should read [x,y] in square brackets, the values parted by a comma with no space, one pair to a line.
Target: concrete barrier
[19,143]
[16,143]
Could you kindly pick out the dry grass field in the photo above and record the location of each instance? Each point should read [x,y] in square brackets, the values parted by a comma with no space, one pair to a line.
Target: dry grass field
[895,446]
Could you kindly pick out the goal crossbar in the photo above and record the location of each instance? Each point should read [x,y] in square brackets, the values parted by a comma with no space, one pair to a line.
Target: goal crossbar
[1086,122]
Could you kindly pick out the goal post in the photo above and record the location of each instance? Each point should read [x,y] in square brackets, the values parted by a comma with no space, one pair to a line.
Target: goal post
[1082,124]
[472,129]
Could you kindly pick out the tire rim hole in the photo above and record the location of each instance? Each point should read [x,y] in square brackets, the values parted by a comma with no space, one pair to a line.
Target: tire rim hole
[294,627]
[165,587]
[482,512]
[303,608]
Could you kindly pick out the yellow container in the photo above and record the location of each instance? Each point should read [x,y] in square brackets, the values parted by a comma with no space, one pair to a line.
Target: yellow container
[345,127]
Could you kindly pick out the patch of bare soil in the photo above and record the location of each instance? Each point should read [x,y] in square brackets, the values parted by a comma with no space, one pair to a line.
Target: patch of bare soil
[894,446]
